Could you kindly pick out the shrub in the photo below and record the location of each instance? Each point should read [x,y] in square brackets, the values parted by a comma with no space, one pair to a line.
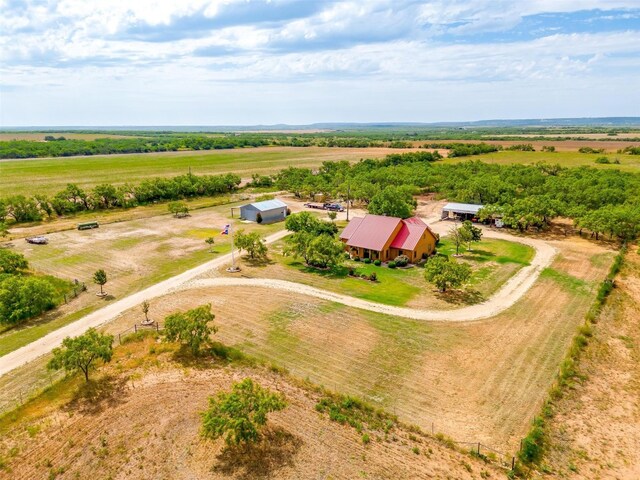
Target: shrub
[367,261]
[373,277]
[259,217]
[366,439]
[356,259]
[347,256]
[391,265]
[603,160]
[377,263]
[401,260]
[352,271]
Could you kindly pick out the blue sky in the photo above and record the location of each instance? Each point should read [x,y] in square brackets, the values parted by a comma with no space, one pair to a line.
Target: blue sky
[247,62]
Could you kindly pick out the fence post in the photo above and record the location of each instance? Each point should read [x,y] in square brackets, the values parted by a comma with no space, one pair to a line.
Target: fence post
[432,429]
[157,327]
[65,297]
[478,448]
[513,463]
[520,449]
[135,328]
[120,338]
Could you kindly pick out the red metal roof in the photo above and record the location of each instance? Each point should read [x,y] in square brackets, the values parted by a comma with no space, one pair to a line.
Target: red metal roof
[350,228]
[410,233]
[372,232]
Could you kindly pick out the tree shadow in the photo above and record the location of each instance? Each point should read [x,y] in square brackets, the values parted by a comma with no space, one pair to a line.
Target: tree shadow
[276,449]
[462,297]
[258,262]
[95,395]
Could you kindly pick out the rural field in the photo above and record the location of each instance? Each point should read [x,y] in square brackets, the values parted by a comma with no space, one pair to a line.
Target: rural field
[480,381]
[135,254]
[51,175]
[564,158]
[596,430]
[127,425]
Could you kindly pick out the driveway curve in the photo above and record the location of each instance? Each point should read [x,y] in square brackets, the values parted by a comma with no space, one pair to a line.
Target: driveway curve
[509,294]
[504,298]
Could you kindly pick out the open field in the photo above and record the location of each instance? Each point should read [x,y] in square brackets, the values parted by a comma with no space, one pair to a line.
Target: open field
[480,381]
[596,429]
[7,136]
[126,425]
[564,158]
[50,175]
[135,254]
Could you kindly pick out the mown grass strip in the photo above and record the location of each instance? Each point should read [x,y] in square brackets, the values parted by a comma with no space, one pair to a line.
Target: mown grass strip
[533,445]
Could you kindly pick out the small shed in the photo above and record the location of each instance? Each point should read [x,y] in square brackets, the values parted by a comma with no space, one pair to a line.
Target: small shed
[463,211]
[270,210]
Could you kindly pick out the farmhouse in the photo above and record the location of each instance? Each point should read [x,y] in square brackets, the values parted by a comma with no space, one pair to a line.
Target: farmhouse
[270,211]
[462,211]
[384,238]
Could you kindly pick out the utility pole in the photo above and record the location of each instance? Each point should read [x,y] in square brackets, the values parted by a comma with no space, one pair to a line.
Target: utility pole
[233,267]
[348,195]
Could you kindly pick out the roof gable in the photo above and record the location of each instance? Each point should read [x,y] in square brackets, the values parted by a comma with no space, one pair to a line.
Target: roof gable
[351,227]
[409,235]
[268,205]
[373,232]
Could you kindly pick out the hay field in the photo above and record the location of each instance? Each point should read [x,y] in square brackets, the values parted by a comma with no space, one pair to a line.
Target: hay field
[564,158]
[50,175]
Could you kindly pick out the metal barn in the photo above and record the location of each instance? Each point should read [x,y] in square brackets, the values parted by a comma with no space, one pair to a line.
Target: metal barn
[270,210]
[462,211]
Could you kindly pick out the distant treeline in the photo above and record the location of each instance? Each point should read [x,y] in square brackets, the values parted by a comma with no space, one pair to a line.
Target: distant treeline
[57,147]
[149,142]
[75,199]
[465,149]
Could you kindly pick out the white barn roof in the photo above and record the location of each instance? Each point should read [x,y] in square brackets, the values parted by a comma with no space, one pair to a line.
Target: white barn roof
[469,208]
[269,205]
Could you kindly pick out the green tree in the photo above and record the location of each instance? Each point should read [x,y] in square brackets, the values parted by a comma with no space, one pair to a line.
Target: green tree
[210,241]
[241,414]
[471,233]
[4,230]
[11,262]
[393,201]
[325,251]
[100,278]
[145,310]
[178,209]
[298,245]
[444,273]
[458,236]
[81,353]
[191,328]
[252,243]
[22,298]
[332,216]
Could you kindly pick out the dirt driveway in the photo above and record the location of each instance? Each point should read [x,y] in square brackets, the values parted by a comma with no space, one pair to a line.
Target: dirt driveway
[509,294]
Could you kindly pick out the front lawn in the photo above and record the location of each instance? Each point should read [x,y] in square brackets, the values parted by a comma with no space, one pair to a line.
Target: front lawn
[493,262]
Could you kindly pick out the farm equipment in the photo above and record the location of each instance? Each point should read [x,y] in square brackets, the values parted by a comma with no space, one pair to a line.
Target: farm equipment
[88,225]
[37,240]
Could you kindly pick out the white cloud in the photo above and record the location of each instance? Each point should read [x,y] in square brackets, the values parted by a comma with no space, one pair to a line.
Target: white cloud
[351,50]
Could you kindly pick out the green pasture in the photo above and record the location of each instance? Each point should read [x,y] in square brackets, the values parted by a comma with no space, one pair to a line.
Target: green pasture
[565,159]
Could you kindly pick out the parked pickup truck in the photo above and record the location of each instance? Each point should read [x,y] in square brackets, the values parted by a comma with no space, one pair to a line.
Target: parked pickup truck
[334,207]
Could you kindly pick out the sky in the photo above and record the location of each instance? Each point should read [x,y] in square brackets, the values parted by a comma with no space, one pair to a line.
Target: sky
[251,62]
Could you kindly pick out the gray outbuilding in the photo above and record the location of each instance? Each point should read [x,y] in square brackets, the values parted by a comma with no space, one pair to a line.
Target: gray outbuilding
[270,210]
[461,211]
